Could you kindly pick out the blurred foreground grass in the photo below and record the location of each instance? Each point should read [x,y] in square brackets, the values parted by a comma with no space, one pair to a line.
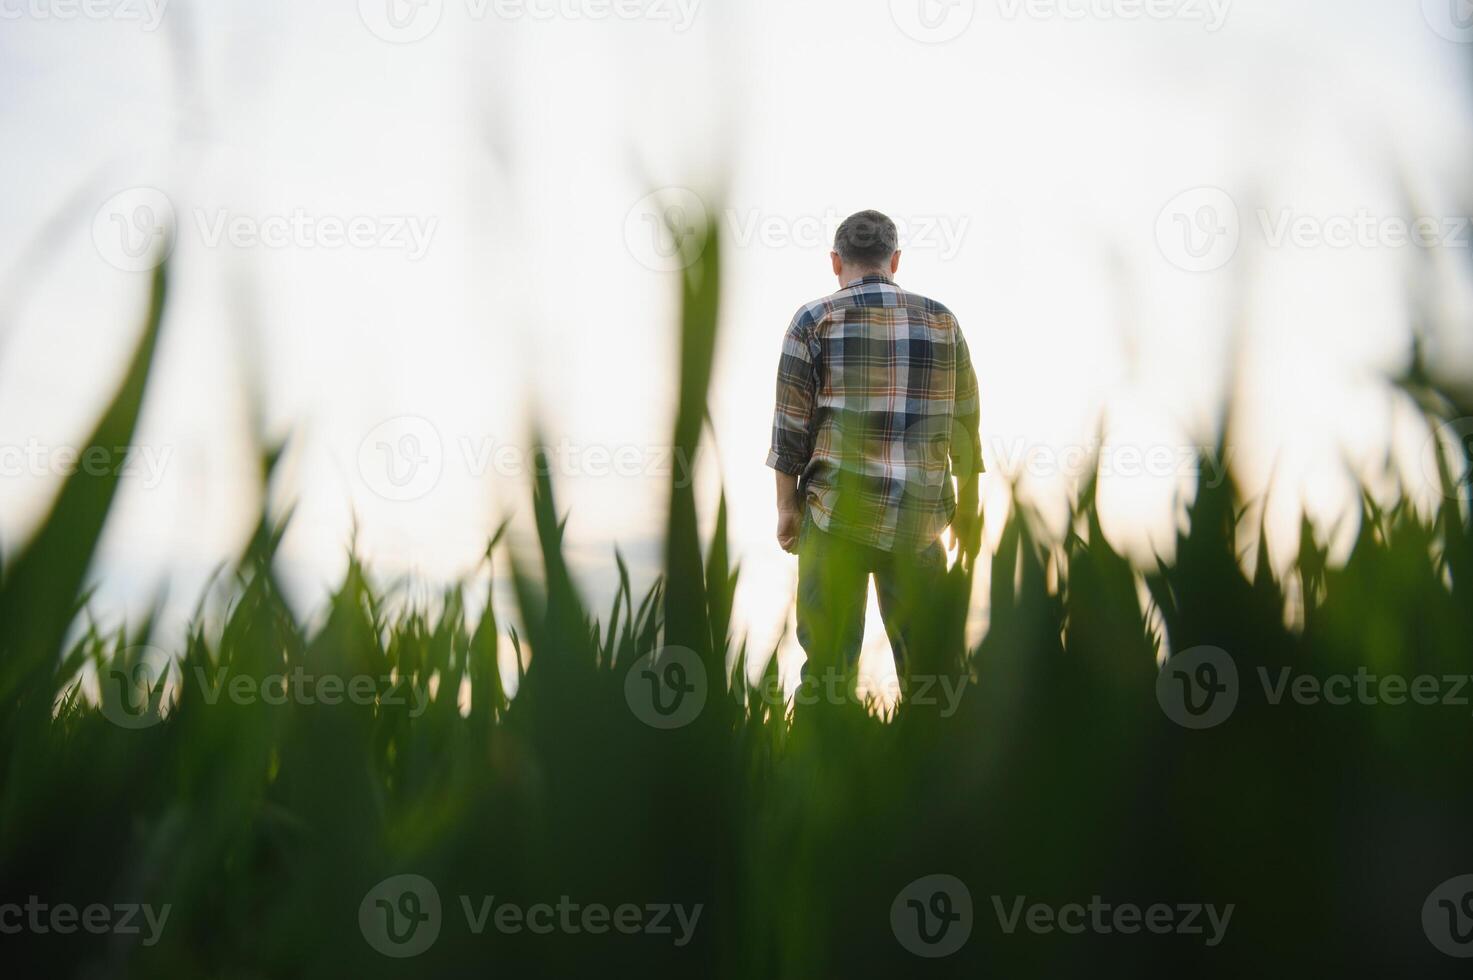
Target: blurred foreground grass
[267,828]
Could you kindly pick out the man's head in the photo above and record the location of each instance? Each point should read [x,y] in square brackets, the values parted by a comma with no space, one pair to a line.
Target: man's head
[866,244]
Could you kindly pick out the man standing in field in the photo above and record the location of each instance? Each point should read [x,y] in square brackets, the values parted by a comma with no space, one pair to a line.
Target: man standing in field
[877,410]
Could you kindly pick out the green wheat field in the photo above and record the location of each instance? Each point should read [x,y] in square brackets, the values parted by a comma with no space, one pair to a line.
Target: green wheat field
[377,834]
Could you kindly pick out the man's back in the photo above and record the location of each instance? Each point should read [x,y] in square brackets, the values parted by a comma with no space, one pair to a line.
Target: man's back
[876,408]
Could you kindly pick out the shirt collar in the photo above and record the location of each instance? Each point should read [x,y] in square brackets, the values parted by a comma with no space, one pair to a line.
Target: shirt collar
[868,280]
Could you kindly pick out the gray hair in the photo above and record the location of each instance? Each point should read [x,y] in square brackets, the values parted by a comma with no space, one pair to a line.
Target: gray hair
[866,239]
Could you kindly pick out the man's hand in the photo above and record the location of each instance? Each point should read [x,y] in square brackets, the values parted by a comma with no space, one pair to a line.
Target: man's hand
[789,512]
[967,530]
[966,527]
[788,522]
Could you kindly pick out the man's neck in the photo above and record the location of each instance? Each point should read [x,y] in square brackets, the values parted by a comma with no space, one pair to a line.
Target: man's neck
[854,278]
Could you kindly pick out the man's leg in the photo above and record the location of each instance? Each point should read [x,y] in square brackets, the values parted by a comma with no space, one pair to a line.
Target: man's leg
[909,587]
[833,587]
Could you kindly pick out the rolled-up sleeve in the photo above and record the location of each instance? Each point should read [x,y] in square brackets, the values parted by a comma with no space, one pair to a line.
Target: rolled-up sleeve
[966,439]
[793,417]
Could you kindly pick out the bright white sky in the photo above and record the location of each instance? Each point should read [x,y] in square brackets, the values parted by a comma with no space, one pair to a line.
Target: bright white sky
[1045,160]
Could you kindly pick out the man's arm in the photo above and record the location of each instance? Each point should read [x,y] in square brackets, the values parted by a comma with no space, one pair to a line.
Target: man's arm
[966,452]
[791,430]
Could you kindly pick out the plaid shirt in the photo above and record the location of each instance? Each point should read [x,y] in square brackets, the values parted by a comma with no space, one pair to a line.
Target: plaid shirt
[876,410]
